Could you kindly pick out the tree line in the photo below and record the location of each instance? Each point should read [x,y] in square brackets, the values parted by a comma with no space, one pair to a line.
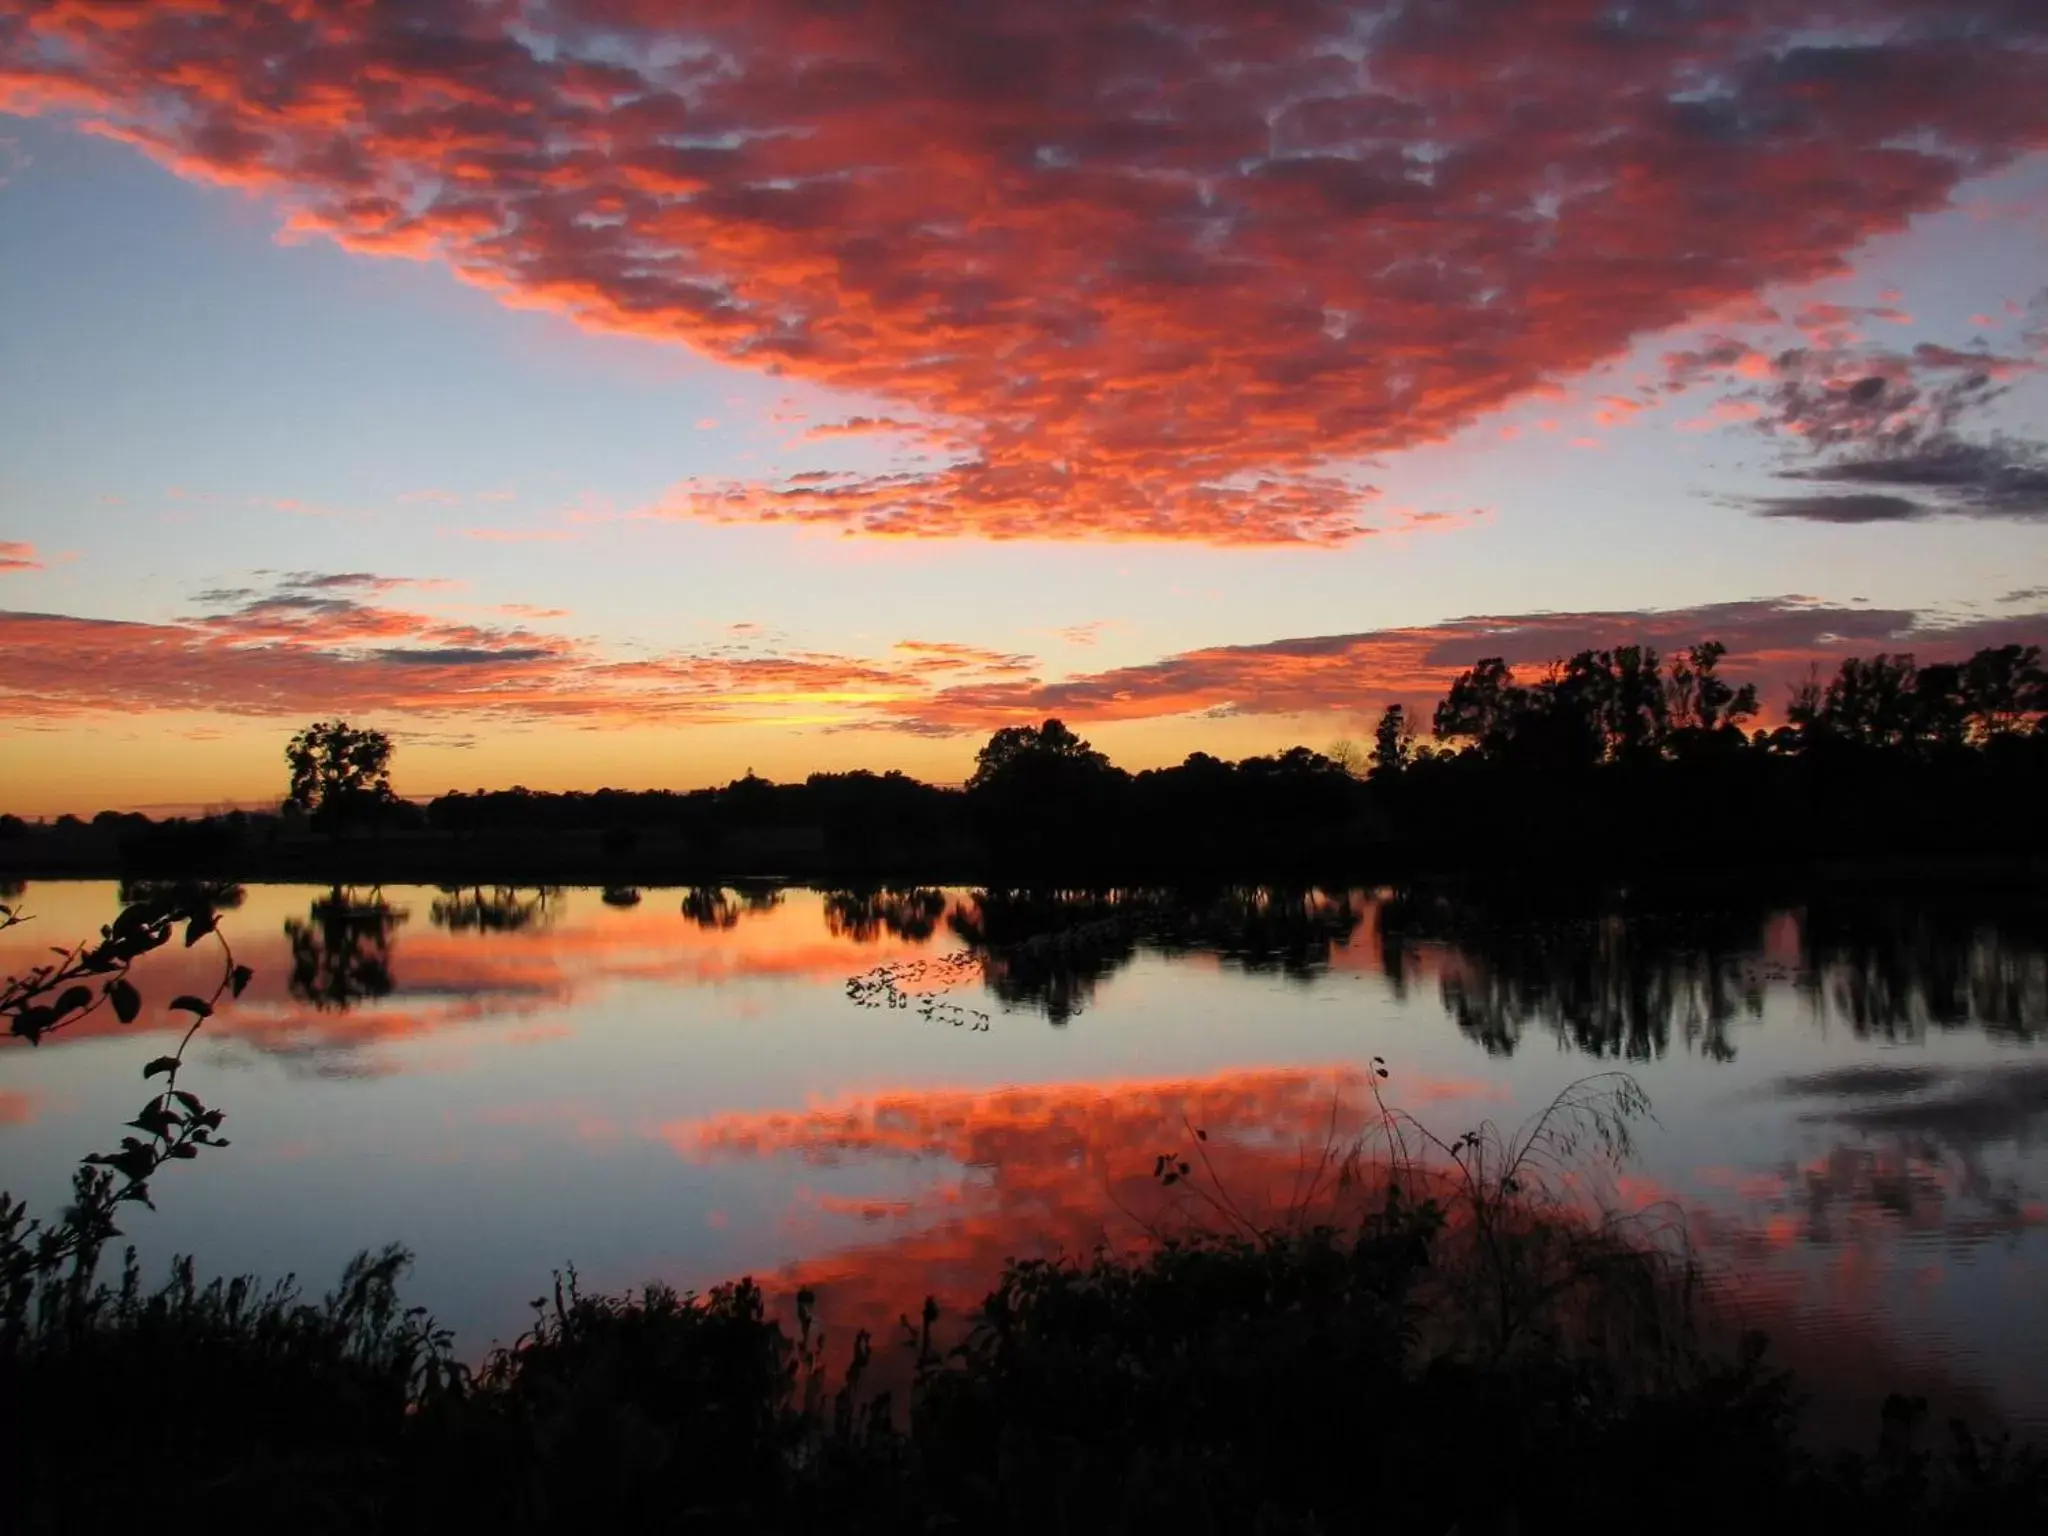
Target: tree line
[1620,756]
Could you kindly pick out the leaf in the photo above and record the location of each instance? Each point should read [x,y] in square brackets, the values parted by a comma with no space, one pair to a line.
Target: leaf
[199,928]
[161,1064]
[154,1119]
[74,998]
[134,1162]
[126,1000]
[189,1100]
[239,978]
[191,1004]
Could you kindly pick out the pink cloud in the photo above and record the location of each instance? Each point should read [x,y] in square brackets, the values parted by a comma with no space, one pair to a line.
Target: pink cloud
[1772,642]
[1172,281]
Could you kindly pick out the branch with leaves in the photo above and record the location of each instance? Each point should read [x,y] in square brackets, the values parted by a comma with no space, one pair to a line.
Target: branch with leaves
[173,1124]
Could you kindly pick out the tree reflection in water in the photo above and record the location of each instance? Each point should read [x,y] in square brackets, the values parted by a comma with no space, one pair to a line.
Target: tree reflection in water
[1615,979]
[711,906]
[863,915]
[1610,983]
[341,951]
[1894,970]
[498,909]
[1625,979]
[1052,949]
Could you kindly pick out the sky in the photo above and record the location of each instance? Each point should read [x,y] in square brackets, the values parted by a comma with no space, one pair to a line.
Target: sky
[603,392]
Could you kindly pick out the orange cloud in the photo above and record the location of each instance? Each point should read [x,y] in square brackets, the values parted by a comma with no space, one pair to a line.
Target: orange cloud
[951,655]
[16,556]
[1170,281]
[317,644]
[305,652]
[1772,642]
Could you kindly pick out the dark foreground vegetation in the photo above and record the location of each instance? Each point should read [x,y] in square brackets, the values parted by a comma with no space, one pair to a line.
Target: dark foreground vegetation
[1267,1384]
[1611,761]
[1426,1338]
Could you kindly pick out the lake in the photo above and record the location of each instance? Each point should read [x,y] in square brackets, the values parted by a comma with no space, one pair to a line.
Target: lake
[884,1093]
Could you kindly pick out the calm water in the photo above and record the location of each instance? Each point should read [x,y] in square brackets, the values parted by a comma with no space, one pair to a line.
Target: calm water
[1850,1105]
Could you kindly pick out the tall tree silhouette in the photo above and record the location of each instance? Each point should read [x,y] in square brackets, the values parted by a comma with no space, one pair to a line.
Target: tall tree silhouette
[341,776]
[1043,792]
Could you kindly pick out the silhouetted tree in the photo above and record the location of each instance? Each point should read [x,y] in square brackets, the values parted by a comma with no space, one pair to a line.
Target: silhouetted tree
[1393,743]
[1482,707]
[1701,709]
[341,776]
[2002,687]
[1042,792]
[1019,750]
[1870,703]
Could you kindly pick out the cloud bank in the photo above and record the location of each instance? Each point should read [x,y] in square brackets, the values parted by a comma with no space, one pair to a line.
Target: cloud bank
[301,648]
[1142,270]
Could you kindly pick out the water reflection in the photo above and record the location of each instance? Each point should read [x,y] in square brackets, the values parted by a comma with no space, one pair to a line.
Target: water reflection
[717,907]
[221,895]
[1848,1077]
[1051,950]
[1946,1118]
[500,909]
[1894,970]
[711,906]
[1628,983]
[1053,1169]
[1064,1169]
[1608,984]
[341,950]
[903,912]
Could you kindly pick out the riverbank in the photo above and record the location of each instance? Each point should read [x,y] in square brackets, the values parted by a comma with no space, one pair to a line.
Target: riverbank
[807,856]
[1318,1379]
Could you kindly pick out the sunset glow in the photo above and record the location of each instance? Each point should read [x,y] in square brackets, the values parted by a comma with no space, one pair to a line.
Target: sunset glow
[598,392]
